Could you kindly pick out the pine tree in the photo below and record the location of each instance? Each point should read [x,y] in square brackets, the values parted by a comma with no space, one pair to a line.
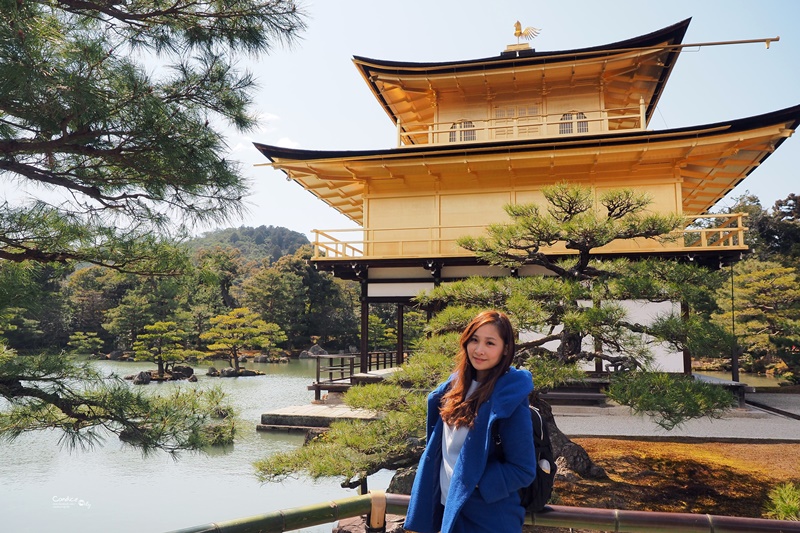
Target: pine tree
[765,313]
[85,343]
[116,111]
[44,392]
[161,342]
[240,329]
[576,312]
[128,149]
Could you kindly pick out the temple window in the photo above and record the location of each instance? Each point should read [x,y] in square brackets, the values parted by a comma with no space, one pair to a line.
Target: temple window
[523,119]
[573,122]
[463,130]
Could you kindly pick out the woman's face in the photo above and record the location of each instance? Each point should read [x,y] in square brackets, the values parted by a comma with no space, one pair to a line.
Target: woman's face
[485,349]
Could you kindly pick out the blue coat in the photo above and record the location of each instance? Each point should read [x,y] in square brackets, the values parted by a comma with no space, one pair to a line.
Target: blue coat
[483,493]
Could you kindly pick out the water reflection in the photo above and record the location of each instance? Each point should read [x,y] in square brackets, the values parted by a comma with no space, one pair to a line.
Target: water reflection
[113,488]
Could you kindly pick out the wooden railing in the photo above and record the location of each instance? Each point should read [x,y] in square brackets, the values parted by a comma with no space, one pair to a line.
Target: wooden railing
[329,246]
[701,233]
[561,124]
[335,369]
[728,233]
[379,360]
[376,504]
[334,372]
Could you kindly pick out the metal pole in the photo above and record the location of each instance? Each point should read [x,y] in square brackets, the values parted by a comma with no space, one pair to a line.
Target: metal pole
[593,54]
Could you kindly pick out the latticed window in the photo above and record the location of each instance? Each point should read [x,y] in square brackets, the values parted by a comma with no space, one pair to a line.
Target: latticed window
[504,116]
[566,124]
[573,122]
[463,130]
[525,116]
[583,124]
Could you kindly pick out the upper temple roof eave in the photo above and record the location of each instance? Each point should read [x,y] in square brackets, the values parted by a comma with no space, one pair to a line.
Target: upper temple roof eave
[673,34]
[370,69]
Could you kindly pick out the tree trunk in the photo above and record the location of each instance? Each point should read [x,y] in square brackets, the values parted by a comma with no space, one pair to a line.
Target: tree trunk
[235,358]
[569,456]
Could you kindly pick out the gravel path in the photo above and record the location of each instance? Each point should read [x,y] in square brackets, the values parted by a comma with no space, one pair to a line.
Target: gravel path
[752,424]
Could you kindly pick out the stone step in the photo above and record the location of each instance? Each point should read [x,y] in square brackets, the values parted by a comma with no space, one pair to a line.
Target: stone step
[573,397]
[314,415]
[278,428]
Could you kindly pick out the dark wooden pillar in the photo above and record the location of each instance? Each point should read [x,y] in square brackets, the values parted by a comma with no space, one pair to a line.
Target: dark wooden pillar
[687,355]
[364,366]
[399,334]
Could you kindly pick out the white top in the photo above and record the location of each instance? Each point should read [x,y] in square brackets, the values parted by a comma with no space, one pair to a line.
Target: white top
[452,442]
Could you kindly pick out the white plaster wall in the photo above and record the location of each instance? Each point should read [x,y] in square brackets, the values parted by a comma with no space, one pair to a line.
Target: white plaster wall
[397,289]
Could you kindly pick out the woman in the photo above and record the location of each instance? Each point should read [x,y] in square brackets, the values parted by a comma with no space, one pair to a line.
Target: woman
[461,486]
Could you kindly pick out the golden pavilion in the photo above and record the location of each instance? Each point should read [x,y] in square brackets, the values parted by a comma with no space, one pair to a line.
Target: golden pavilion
[475,135]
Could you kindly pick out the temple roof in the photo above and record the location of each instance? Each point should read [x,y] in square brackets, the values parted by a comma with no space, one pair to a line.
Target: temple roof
[626,70]
[710,159]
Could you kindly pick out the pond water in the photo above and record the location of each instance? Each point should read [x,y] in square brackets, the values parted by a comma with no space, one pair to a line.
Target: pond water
[753,380]
[113,488]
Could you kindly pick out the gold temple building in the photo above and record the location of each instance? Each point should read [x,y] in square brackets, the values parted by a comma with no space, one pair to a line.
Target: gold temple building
[475,135]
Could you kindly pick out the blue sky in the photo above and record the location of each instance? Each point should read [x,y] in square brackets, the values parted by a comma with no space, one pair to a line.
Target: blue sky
[312,97]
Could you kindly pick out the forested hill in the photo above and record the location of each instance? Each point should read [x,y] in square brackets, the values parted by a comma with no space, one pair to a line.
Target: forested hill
[254,243]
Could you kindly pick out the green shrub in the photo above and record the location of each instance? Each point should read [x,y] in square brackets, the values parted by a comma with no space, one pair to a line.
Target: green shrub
[784,502]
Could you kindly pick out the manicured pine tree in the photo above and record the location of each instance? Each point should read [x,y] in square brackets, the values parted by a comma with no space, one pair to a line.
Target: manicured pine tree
[162,343]
[240,329]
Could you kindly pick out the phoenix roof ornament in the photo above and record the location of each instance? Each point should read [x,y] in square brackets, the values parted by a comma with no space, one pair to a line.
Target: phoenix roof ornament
[528,33]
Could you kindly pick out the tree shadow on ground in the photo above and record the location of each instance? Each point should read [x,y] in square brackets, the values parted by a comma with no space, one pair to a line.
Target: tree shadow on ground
[731,479]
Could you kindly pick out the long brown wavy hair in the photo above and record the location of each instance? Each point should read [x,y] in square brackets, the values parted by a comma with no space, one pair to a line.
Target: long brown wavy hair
[456,409]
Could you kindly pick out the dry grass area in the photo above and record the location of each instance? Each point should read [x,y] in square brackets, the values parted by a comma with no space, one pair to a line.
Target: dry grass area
[715,477]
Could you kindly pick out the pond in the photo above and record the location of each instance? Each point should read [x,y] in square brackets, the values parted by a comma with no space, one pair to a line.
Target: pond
[753,380]
[113,488]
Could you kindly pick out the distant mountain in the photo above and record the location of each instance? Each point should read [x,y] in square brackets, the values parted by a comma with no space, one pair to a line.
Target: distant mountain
[254,243]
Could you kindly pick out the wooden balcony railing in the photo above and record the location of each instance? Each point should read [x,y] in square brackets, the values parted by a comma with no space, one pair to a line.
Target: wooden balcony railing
[574,123]
[701,233]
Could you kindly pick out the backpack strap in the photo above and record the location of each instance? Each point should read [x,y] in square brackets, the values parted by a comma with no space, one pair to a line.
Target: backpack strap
[535,412]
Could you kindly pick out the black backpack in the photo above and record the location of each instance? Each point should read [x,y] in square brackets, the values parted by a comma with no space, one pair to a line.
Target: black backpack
[536,495]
